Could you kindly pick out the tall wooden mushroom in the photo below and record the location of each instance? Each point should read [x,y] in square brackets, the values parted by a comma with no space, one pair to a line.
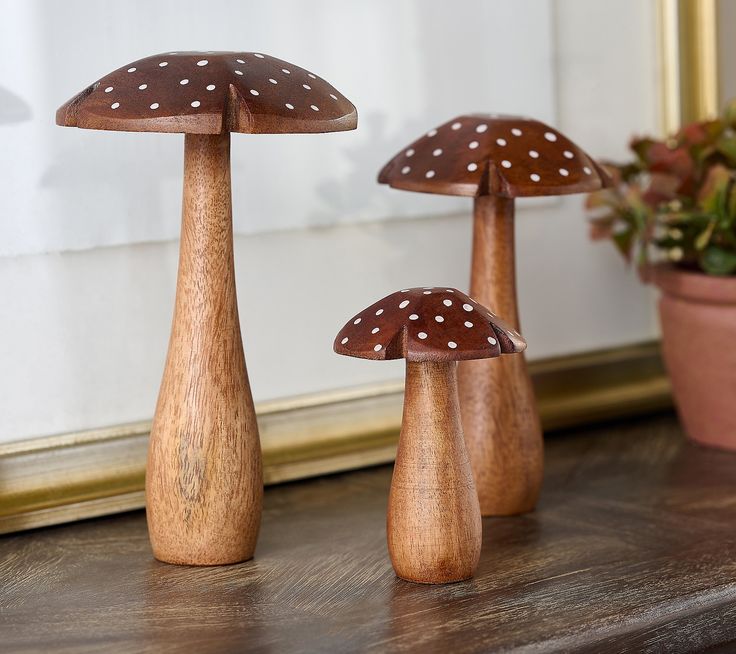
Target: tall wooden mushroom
[204,477]
[433,526]
[495,159]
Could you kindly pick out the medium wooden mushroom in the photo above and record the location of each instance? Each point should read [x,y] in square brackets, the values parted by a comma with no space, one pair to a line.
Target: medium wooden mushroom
[495,159]
[204,485]
[434,525]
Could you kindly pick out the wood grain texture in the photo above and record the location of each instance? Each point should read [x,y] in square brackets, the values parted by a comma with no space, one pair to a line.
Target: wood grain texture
[427,324]
[208,93]
[481,154]
[630,550]
[204,480]
[433,526]
[502,427]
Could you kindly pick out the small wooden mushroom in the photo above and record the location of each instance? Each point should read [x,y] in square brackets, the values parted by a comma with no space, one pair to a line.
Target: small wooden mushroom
[495,159]
[434,525]
[204,483]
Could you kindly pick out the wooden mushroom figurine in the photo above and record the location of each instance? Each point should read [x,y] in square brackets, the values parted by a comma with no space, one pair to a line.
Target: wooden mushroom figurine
[495,159]
[434,525]
[204,477]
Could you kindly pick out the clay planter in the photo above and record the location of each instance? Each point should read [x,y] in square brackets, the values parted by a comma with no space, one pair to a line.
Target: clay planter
[698,316]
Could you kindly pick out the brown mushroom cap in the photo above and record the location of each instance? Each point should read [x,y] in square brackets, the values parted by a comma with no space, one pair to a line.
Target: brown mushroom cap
[427,324]
[208,92]
[479,154]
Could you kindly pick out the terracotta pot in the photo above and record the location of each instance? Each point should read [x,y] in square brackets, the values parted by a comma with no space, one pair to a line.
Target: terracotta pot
[698,315]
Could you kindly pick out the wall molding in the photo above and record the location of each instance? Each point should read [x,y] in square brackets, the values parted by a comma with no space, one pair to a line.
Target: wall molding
[59,479]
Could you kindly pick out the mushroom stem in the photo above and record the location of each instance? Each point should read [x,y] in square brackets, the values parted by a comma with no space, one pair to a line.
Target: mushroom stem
[434,525]
[204,485]
[499,412]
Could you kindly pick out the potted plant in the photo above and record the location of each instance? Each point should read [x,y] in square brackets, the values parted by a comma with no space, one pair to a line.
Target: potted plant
[672,211]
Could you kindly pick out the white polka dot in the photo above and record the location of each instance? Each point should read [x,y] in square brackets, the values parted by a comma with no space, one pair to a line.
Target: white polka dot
[432,132]
[450,290]
[375,330]
[491,340]
[472,167]
[534,177]
[254,92]
[143,87]
[481,128]
[564,172]
[376,348]
[405,303]
[404,290]
[422,335]
[426,292]
[259,55]
[468,324]
[456,125]
[285,71]
[131,70]
[439,319]
[586,170]
[240,61]
[506,163]
[108,89]
[114,105]
[379,312]
[196,103]
[516,131]
[447,303]
[272,80]
[202,62]
[473,144]
[437,152]
[314,107]
[568,155]
[184,81]
[211,87]
[306,86]
[344,340]
[550,136]
[155,105]
[429,174]
[467,307]
[163,64]
[413,316]
[289,106]
[311,75]
[357,321]
[534,154]
[452,345]
[501,142]
[238,72]
[409,152]
[405,170]
[333,96]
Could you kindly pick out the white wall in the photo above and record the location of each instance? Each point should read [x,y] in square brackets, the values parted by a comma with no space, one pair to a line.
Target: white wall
[83,333]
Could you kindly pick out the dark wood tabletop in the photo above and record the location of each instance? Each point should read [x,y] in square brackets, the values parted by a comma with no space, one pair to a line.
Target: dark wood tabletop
[632,549]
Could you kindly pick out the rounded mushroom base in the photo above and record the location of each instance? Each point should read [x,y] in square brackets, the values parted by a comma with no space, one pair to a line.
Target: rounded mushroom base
[175,558]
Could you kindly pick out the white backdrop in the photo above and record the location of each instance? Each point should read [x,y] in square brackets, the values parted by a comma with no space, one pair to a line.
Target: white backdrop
[406,66]
[87,219]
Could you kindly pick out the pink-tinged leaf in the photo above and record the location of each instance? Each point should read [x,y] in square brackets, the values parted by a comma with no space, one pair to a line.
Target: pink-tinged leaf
[662,188]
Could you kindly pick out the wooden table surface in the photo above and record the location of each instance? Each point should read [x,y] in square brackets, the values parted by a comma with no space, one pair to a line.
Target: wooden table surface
[631,549]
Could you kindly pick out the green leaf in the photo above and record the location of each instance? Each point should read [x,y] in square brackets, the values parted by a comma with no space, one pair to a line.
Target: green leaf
[703,238]
[624,242]
[717,261]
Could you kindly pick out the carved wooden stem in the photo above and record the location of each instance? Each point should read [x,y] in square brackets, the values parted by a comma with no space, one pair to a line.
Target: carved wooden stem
[204,485]
[434,526]
[499,413]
